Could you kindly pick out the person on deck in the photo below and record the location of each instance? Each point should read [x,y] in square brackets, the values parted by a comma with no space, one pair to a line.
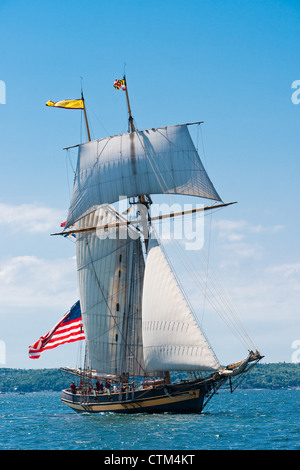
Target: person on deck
[99,386]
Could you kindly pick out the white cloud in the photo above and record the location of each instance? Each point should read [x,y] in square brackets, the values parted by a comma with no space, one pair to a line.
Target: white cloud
[261,228]
[32,218]
[29,281]
[230,230]
[287,270]
[239,240]
[237,230]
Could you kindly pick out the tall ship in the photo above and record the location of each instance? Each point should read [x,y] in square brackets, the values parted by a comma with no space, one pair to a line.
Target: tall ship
[145,350]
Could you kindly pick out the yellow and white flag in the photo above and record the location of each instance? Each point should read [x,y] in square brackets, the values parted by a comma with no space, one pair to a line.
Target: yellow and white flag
[68,104]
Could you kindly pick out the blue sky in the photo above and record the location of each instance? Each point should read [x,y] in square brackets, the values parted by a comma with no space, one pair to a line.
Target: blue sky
[230,64]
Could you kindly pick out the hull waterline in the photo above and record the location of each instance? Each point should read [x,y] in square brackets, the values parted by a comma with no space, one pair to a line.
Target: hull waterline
[183,397]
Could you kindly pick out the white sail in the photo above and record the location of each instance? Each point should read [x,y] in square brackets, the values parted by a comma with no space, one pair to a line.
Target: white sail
[172,339]
[110,272]
[154,161]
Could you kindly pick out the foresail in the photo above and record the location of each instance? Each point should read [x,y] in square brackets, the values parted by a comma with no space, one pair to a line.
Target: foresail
[154,161]
[172,339]
[110,272]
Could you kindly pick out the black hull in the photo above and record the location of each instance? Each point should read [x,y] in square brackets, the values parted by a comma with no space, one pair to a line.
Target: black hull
[181,398]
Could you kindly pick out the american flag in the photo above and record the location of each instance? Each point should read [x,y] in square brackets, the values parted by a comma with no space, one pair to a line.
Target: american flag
[67,330]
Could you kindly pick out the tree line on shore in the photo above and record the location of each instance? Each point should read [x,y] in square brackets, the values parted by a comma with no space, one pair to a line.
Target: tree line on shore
[271,376]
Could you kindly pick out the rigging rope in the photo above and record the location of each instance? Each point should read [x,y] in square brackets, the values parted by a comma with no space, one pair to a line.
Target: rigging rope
[212,289]
[211,279]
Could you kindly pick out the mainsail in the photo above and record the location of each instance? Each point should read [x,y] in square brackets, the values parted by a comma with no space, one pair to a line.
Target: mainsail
[154,161]
[172,339]
[110,270]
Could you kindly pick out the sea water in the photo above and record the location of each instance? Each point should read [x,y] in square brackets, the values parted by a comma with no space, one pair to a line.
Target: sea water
[244,420]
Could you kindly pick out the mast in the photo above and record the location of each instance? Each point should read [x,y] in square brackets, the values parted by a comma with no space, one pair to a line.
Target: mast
[145,202]
[130,119]
[85,116]
[142,198]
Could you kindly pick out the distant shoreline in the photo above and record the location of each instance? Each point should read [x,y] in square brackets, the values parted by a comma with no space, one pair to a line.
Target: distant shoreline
[263,376]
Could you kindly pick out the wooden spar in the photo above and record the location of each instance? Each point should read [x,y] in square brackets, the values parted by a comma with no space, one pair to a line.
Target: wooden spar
[132,129]
[183,124]
[86,120]
[136,222]
[191,211]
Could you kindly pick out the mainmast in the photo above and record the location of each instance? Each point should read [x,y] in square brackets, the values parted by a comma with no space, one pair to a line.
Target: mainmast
[145,201]
[142,199]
